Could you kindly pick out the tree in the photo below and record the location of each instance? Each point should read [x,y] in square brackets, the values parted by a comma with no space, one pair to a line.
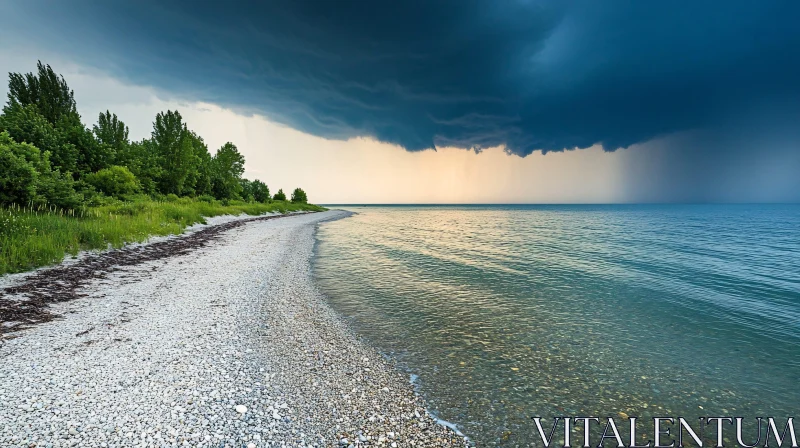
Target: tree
[200,176]
[279,196]
[299,196]
[228,167]
[175,151]
[46,152]
[18,176]
[49,96]
[27,177]
[25,124]
[47,91]
[92,155]
[260,191]
[111,132]
[143,160]
[246,192]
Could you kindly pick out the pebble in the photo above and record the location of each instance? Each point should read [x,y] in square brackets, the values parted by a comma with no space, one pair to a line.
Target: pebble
[179,344]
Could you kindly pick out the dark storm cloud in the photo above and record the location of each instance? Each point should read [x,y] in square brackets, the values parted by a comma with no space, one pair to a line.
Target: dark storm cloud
[530,75]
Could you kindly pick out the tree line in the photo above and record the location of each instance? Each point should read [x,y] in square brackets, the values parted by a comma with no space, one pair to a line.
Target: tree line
[49,157]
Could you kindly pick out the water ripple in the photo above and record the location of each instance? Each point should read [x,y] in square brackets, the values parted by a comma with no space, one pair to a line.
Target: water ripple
[510,312]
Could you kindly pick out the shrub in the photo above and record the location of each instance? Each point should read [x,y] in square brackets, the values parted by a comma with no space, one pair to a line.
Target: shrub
[280,195]
[172,197]
[299,196]
[101,200]
[58,189]
[116,181]
[136,197]
[206,198]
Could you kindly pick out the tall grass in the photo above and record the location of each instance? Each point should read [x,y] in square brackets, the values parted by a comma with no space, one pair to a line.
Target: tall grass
[30,238]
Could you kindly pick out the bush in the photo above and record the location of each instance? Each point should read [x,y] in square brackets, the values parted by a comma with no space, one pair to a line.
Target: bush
[172,197]
[206,198]
[116,181]
[299,196]
[136,197]
[101,200]
[280,195]
[58,189]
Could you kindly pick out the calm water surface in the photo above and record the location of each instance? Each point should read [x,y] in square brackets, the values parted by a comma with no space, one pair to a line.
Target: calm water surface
[504,313]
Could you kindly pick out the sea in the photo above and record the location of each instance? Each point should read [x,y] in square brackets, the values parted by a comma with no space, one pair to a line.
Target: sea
[499,314]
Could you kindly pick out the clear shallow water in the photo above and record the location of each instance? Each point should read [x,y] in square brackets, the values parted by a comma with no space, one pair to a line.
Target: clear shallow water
[510,312]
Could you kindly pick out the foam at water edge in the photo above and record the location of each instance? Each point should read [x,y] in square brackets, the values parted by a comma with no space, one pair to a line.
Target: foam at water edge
[413,380]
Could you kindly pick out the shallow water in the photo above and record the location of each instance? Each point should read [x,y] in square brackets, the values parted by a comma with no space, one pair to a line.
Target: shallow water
[509,312]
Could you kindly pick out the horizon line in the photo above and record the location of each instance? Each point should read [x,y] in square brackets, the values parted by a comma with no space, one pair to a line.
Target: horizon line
[543,203]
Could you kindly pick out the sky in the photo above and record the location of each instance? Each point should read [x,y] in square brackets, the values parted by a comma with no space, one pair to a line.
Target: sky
[519,101]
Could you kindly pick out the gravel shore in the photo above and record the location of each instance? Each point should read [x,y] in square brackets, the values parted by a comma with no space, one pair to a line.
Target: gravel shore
[228,345]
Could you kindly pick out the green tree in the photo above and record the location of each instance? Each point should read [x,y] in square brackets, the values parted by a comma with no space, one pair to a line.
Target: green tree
[49,96]
[18,176]
[228,167]
[299,196]
[175,151]
[260,191]
[280,195]
[199,179]
[92,155]
[47,91]
[116,181]
[112,132]
[24,123]
[246,191]
[26,176]
[143,160]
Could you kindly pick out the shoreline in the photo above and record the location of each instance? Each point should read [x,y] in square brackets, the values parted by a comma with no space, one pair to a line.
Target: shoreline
[12,279]
[25,296]
[228,344]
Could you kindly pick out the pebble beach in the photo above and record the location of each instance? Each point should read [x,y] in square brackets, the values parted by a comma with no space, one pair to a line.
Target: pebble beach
[227,345]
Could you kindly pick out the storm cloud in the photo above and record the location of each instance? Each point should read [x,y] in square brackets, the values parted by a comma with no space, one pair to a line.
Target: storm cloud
[528,75]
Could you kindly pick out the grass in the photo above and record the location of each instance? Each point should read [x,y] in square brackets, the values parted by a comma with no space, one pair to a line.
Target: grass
[32,238]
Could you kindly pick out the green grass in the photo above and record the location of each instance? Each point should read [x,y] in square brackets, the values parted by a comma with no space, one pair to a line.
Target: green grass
[33,238]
